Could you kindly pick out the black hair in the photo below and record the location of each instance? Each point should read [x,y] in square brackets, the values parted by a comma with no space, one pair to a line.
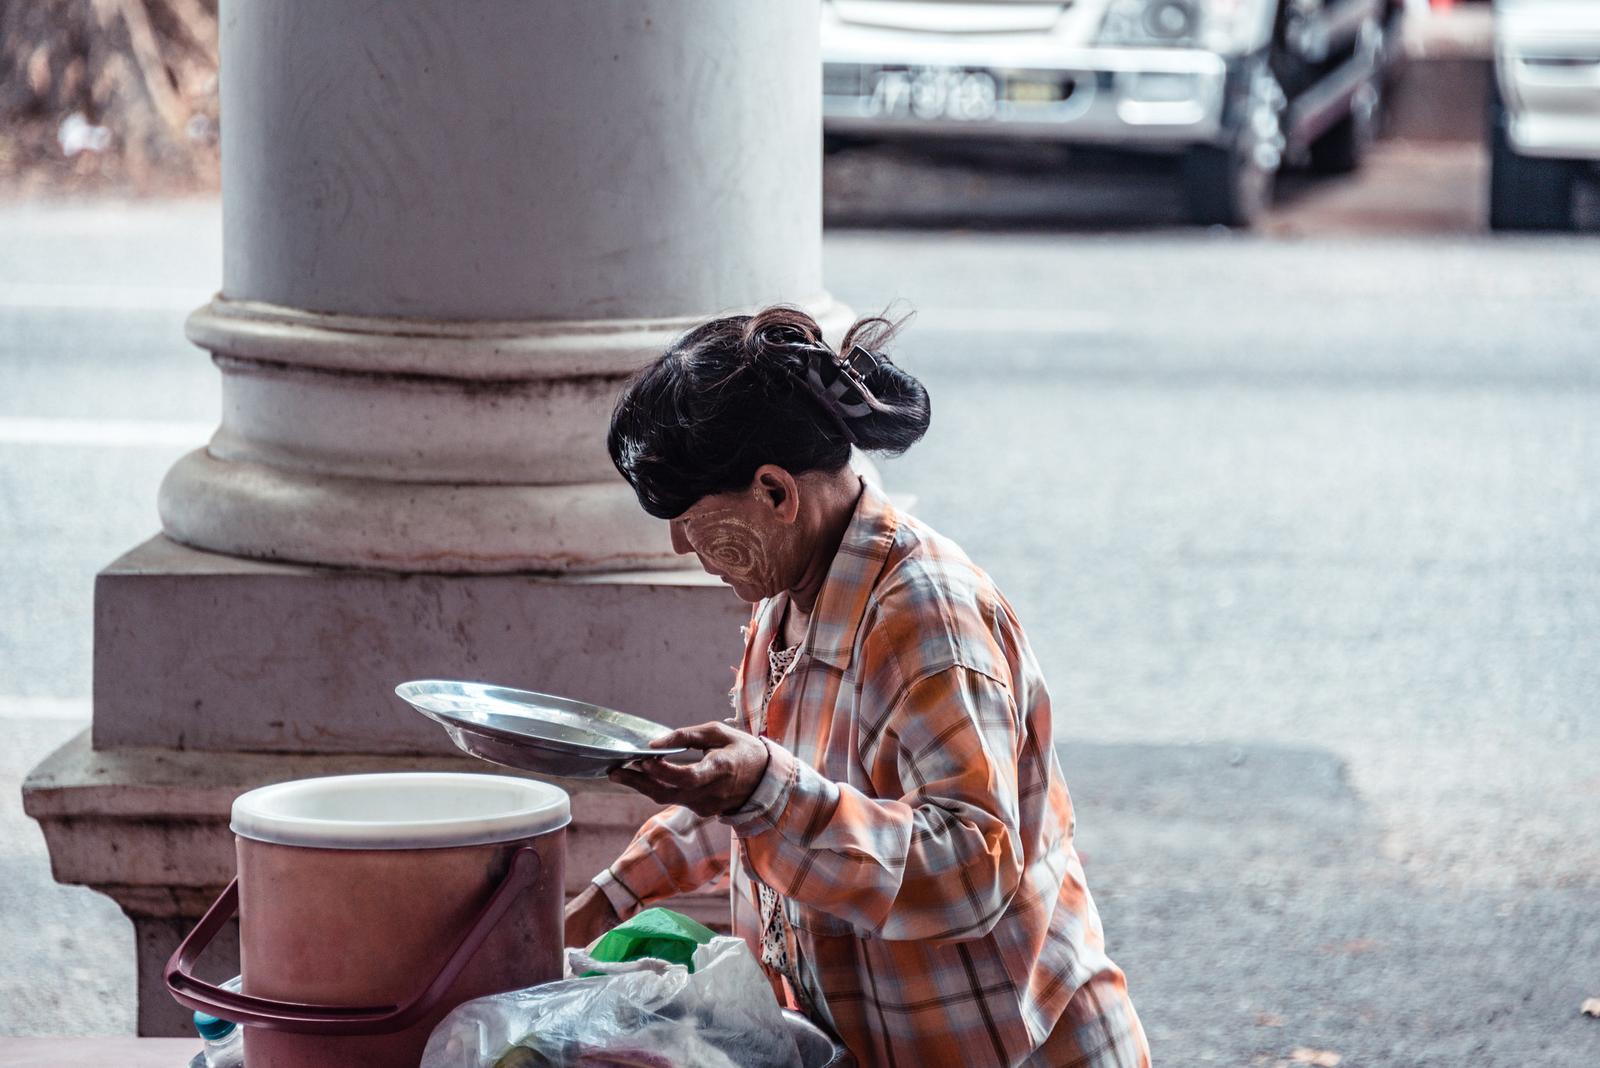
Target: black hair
[745,390]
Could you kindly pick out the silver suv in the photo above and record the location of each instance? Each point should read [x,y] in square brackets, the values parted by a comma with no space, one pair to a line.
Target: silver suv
[1234,87]
[1545,124]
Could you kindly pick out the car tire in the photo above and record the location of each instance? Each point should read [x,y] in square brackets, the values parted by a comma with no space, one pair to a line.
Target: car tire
[1223,187]
[1525,192]
[1232,184]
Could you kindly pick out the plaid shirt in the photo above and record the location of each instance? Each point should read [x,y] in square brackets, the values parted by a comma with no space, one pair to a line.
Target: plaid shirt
[914,819]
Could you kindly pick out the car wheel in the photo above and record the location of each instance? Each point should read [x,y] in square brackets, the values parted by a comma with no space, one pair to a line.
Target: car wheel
[1232,184]
[1525,192]
[1223,187]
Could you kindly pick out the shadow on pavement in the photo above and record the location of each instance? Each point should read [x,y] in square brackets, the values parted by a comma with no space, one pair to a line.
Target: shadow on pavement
[1246,892]
[986,186]
[1404,187]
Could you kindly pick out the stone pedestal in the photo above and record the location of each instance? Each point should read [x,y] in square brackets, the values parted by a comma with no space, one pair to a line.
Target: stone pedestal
[450,231]
[202,652]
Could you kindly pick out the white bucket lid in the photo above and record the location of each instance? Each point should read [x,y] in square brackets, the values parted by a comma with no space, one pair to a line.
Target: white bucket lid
[406,810]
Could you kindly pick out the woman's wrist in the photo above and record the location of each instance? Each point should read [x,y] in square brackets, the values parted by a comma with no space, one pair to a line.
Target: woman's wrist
[755,782]
[766,803]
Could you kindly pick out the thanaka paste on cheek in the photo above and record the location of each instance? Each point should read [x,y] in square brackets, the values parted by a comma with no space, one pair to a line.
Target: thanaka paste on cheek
[734,546]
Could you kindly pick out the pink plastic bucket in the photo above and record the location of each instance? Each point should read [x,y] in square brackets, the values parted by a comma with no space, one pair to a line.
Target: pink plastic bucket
[371,905]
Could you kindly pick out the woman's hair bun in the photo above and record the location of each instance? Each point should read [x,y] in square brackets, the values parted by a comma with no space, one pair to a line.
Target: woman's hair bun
[745,390]
[903,412]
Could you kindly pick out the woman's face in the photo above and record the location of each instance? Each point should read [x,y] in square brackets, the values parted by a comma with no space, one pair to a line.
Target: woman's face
[740,538]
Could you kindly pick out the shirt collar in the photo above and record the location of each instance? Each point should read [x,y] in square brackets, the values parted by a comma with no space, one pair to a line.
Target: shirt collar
[851,579]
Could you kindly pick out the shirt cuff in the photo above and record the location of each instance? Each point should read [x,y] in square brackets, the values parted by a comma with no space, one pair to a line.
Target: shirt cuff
[761,812]
[623,901]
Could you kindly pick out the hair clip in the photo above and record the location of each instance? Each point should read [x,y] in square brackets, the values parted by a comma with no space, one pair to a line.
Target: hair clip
[850,374]
[858,363]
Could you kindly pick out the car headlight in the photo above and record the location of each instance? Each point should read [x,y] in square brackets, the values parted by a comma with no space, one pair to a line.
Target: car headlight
[1151,22]
[1228,27]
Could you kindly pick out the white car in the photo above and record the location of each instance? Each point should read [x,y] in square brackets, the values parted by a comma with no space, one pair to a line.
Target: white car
[1545,126]
[1234,87]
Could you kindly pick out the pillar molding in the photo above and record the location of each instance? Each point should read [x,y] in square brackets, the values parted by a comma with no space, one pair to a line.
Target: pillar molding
[420,445]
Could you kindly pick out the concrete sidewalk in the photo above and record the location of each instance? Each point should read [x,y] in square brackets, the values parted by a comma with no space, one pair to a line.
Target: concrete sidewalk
[97,1052]
[66,956]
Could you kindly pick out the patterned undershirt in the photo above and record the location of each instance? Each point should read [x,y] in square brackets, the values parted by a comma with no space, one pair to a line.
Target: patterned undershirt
[774,938]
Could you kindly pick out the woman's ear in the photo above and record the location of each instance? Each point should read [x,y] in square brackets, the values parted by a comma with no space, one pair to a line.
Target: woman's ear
[777,490]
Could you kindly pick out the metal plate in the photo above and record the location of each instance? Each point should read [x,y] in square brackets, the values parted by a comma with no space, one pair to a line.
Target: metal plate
[534,731]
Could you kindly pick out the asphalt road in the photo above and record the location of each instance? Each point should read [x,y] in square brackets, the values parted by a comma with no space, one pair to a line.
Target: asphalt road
[1304,532]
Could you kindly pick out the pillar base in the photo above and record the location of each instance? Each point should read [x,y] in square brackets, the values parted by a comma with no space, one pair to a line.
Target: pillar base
[215,675]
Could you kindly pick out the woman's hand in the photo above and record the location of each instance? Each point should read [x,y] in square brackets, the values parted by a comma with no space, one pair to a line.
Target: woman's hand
[589,915]
[715,785]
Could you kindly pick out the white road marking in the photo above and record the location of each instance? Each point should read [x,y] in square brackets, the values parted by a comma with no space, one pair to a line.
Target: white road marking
[103,433]
[47,296]
[56,708]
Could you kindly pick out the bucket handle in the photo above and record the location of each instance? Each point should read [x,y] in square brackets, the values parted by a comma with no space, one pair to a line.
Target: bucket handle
[306,1019]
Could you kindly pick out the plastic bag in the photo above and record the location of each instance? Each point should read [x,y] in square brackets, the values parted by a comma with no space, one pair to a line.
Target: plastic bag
[645,1013]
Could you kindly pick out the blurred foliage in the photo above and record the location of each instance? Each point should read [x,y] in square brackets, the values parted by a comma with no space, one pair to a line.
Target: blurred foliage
[108,92]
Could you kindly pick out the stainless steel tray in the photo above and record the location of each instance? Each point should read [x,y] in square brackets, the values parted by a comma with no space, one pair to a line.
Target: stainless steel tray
[534,731]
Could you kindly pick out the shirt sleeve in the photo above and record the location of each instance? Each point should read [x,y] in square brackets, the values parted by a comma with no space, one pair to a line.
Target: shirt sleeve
[940,856]
[675,852]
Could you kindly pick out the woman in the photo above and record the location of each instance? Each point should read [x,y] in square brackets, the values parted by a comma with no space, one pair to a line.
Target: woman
[886,800]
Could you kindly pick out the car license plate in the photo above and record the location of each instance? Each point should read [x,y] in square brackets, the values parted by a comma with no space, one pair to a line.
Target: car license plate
[930,93]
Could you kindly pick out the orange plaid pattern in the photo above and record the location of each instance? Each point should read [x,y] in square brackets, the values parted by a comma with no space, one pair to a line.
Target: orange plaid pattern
[915,821]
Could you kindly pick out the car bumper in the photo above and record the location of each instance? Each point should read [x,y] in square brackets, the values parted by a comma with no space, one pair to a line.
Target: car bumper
[1550,81]
[1128,97]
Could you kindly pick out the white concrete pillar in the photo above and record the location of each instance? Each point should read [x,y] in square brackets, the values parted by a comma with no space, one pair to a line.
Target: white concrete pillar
[450,229]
